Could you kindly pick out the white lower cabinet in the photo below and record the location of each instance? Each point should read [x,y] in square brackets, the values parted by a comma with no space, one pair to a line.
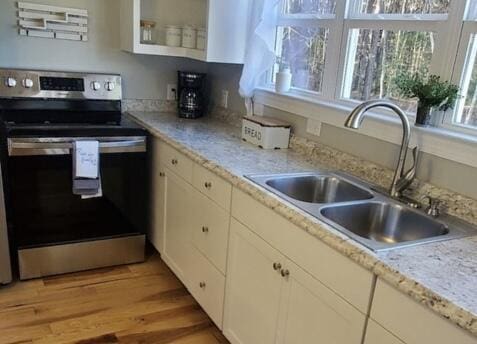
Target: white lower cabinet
[253,288]
[412,322]
[271,300]
[177,233]
[158,207]
[207,285]
[312,313]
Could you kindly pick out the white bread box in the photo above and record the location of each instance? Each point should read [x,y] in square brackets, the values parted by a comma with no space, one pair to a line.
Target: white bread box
[265,132]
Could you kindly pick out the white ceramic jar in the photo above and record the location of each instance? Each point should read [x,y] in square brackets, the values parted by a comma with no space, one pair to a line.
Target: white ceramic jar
[201,38]
[173,36]
[189,37]
[283,81]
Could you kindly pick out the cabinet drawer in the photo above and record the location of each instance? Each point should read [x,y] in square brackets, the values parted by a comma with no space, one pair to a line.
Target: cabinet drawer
[412,322]
[336,271]
[207,285]
[213,186]
[175,161]
[210,230]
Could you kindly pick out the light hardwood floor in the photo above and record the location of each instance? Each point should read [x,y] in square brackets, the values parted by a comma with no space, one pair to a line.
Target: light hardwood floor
[140,303]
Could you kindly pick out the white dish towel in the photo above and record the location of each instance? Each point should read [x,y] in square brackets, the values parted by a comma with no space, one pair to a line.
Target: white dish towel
[86,176]
[86,159]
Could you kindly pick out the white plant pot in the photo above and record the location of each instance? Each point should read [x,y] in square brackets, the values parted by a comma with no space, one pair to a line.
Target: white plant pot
[283,81]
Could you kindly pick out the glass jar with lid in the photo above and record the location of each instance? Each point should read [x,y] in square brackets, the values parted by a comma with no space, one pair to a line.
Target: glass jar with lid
[147,31]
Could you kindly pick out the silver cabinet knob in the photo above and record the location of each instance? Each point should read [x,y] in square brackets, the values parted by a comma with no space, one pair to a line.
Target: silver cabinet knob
[95,86]
[285,273]
[10,82]
[27,83]
[205,229]
[109,85]
[202,285]
[277,266]
[208,185]
[162,174]
[174,162]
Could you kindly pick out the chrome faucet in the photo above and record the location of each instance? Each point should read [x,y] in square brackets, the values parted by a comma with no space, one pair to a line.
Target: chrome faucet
[402,179]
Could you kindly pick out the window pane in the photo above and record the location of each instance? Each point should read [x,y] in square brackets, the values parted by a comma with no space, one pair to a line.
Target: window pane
[377,57]
[403,6]
[466,113]
[309,6]
[304,51]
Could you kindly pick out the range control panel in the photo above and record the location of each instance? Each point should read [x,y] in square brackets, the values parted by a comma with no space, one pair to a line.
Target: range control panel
[15,83]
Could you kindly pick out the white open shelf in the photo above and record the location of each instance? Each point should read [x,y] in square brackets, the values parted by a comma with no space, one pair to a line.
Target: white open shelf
[225,22]
[164,50]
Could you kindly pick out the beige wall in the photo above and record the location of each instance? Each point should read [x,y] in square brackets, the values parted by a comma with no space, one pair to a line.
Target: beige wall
[441,172]
[144,76]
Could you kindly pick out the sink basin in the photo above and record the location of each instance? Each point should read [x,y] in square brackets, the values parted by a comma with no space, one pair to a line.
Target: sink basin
[384,222]
[318,189]
[369,217]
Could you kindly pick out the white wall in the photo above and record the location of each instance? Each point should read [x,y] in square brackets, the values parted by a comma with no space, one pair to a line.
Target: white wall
[144,77]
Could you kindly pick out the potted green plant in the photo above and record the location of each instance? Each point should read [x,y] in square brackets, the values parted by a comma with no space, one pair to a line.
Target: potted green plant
[431,93]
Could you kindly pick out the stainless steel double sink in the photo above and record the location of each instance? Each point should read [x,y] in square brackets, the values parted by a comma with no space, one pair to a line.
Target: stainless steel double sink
[354,208]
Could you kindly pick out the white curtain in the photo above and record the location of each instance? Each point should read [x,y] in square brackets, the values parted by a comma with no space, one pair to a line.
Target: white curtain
[260,52]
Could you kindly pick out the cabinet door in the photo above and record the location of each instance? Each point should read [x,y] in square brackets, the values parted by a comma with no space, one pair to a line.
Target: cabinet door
[253,289]
[177,241]
[210,230]
[158,207]
[312,313]
[375,334]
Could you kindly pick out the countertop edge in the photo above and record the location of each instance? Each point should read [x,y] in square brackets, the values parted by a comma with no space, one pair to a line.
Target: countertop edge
[365,258]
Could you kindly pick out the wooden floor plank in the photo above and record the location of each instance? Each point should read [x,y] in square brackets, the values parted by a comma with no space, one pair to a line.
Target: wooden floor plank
[138,303]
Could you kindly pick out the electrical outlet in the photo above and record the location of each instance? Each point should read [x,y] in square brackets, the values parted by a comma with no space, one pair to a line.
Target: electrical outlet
[313,127]
[225,99]
[171,91]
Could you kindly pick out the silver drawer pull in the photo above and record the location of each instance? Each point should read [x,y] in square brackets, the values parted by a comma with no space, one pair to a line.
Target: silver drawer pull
[205,229]
[208,185]
[277,266]
[162,174]
[202,285]
[174,162]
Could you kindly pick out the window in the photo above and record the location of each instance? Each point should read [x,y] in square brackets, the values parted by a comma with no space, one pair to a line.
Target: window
[351,51]
[304,50]
[386,37]
[305,30]
[377,56]
[465,114]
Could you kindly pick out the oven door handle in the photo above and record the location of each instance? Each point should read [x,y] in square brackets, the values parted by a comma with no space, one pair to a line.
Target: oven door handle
[35,146]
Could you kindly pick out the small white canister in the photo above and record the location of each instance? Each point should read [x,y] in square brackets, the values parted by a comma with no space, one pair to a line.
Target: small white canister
[173,36]
[283,81]
[189,37]
[201,38]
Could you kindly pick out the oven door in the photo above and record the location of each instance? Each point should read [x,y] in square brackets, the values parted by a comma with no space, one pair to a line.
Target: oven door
[55,231]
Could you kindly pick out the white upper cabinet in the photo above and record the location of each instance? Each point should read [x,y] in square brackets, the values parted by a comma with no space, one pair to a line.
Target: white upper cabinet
[225,22]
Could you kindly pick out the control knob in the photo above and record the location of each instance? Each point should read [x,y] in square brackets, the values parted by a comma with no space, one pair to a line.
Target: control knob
[95,85]
[10,82]
[109,85]
[27,83]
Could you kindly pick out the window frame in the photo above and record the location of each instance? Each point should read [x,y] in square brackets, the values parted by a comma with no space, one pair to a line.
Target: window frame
[448,57]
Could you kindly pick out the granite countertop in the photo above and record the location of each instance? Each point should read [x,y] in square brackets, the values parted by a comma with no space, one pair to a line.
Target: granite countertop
[442,275]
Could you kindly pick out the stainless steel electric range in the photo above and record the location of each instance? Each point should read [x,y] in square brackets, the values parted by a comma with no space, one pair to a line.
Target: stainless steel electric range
[52,230]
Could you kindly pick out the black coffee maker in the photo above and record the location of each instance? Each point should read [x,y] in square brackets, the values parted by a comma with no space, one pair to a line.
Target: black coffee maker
[192,99]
